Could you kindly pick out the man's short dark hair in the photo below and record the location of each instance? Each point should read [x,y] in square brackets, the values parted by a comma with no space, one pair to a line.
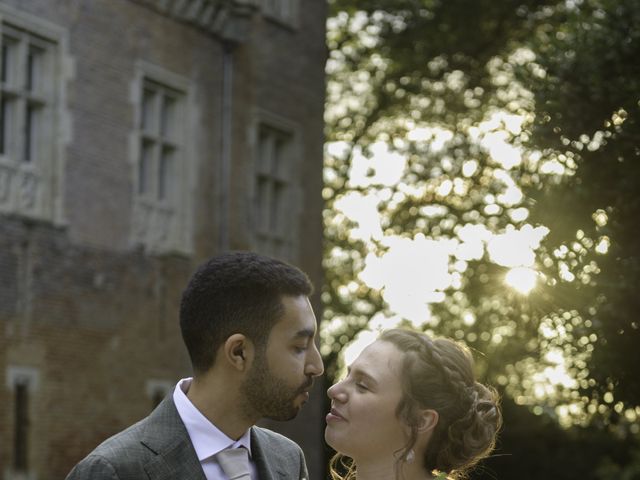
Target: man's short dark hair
[237,292]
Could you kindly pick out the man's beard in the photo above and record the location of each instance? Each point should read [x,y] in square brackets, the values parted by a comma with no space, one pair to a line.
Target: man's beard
[268,396]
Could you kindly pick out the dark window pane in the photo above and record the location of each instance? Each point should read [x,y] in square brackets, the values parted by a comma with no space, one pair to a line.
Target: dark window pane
[277,205]
[144,167]
[28,121]
[8,61]
[3,124]
[30,70]
[30,132]
[21,434]
[167,123]
[265,152]
[278,154]
[147,114]
[5,62]
[262,204]
[165,174]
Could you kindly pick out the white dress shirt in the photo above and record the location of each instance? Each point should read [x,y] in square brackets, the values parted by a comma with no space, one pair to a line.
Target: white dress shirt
[206,438]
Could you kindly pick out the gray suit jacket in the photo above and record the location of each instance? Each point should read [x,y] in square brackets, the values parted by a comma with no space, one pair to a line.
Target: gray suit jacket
[159,448]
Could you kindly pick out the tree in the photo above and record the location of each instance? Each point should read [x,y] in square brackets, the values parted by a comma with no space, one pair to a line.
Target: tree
[499,125]
[589,111]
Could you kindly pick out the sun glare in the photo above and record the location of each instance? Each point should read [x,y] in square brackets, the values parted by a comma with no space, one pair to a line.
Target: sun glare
[382,167]
[412,274]
[501,150]
[516,248]
[362,341]
[521,279]
[603,245]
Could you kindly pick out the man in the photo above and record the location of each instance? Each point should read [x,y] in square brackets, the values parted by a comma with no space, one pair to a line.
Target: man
[249,329]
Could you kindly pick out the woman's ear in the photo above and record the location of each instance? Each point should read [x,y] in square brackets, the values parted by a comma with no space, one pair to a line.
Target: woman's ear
[238,351]
[428,421]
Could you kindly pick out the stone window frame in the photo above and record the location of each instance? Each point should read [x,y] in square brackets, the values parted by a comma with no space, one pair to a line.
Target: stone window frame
[285,235]
[34,188]
[284,12]
[161,225]
[30,377]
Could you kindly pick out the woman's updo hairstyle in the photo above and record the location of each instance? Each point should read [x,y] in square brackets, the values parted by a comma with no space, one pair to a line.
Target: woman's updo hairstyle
[438,375]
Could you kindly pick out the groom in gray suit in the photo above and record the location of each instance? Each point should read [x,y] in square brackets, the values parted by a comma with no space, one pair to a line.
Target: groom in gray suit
[249,329]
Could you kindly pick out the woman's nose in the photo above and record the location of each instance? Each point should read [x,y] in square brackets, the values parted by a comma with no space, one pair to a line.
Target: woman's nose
[336,392]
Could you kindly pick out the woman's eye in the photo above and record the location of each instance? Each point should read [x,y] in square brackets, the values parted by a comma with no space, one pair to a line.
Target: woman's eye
[361,386]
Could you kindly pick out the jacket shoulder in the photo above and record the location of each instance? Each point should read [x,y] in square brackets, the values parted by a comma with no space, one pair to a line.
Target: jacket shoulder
[124,454]
[113,457]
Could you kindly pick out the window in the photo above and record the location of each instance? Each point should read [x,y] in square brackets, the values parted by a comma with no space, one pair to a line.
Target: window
[158,144]
[22,382]
[29,99]
[156,398]
[157,390]
[272,200]
[21,427]
[161,216]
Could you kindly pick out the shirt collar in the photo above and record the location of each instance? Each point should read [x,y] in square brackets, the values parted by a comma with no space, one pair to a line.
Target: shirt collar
[206,438]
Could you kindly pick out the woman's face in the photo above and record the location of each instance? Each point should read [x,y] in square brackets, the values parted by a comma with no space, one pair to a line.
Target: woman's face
[362,423]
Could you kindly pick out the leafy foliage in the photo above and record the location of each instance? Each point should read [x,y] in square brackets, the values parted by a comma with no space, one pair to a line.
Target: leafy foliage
[468,127]
[589,111]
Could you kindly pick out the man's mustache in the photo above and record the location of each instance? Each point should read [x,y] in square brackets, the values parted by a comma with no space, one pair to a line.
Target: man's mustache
[306,386]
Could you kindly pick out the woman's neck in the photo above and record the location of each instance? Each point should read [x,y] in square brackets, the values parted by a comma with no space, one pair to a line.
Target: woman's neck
[372,471]
[379,470]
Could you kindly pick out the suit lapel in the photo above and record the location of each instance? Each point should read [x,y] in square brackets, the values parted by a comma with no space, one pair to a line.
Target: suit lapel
[167,437]
[181,462]
[267,469]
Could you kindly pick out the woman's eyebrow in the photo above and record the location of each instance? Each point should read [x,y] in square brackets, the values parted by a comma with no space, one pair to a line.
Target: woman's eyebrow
[361,373]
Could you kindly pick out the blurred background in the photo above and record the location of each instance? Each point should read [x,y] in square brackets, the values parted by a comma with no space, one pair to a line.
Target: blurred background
[481,178]
[468,168]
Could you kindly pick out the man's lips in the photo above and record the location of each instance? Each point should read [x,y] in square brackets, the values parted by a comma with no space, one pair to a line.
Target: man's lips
[308,385]
[334,416]
[305,389]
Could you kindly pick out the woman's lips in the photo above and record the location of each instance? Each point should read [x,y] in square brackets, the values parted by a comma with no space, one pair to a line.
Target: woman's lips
[334,416]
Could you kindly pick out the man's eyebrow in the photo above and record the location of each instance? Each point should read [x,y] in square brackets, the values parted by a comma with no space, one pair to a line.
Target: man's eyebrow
[305,333]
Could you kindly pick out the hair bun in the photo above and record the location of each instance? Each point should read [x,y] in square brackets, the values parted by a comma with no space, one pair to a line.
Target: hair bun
[487,409]
[485,405]
[472,436]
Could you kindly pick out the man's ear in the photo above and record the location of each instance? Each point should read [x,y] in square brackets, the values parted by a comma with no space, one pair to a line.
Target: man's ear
[238,351]
[428,421]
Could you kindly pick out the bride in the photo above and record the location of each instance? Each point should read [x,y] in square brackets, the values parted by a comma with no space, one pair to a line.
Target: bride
[410,409]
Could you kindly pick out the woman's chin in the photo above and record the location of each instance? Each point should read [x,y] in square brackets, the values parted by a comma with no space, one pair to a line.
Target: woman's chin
[333,440]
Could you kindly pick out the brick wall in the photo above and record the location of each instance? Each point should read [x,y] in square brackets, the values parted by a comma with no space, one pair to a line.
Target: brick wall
[95,316]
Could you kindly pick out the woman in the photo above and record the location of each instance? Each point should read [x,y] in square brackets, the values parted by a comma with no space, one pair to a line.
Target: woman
[410,409]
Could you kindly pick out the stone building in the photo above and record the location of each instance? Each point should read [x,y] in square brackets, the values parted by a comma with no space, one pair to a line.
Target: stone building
[137,138]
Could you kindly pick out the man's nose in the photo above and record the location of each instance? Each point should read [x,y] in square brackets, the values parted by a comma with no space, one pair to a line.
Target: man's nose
[315,366]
